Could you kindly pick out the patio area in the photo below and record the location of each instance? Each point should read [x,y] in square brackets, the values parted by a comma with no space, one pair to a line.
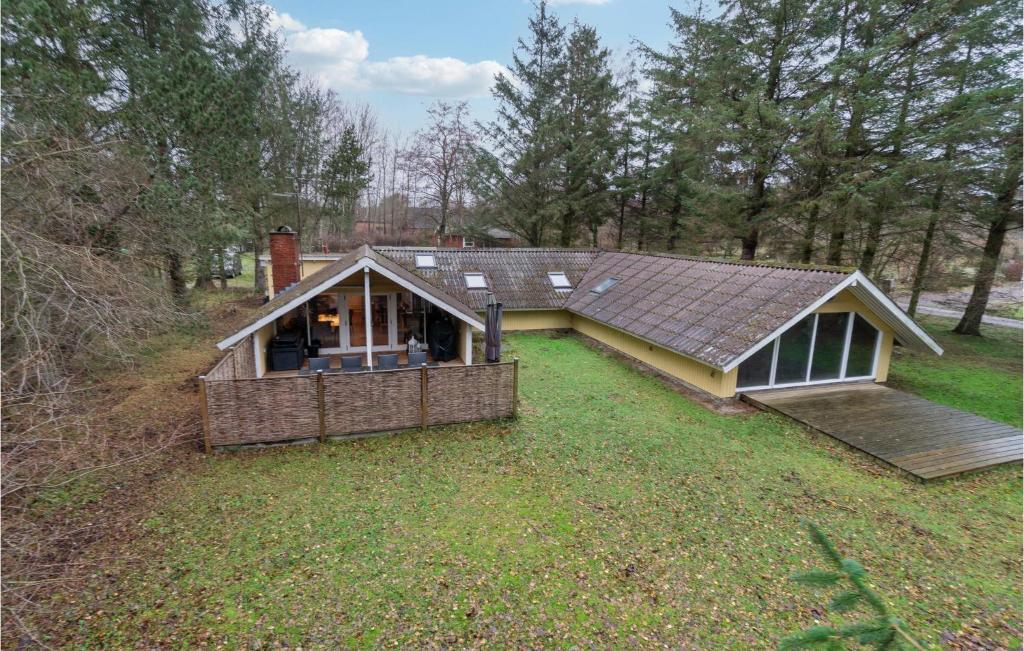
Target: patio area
[335,364]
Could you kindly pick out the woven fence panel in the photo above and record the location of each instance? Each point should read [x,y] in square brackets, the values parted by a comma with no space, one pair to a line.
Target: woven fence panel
[457,394]
[245,362]
[262,411]
[224,369]
[372,402]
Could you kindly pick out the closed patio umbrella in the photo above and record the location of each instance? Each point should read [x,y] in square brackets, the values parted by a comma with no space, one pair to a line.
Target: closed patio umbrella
[492,332]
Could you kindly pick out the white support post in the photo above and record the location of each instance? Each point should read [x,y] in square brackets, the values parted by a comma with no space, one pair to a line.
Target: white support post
[467,342]
[368,318]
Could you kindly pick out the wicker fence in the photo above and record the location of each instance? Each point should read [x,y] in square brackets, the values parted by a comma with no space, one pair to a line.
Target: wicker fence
[239,363]
[239,411]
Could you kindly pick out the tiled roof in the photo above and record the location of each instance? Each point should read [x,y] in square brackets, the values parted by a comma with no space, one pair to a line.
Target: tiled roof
[709,310]
[517,277]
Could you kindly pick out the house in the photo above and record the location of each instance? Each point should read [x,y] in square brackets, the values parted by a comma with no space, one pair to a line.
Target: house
[718,326]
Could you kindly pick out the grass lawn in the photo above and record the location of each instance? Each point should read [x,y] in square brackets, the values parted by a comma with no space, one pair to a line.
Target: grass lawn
[976,374]
[614,512]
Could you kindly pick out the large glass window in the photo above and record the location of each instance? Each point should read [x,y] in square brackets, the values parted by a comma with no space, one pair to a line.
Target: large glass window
[828,346]
[861,360]
[324,320]
[814,348]
[794,351]
[756,370]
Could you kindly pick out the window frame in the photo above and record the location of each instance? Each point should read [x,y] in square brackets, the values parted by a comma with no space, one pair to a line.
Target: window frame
[558,286]
[466,275]
[431,256]
[605,285]
[807,381]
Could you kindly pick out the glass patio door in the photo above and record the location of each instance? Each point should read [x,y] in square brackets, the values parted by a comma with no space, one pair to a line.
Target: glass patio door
[382,322]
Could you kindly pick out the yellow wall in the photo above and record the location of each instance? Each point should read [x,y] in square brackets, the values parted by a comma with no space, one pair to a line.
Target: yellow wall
[308,267]
[845,301]
[262,338]
[690,371]
[534,320]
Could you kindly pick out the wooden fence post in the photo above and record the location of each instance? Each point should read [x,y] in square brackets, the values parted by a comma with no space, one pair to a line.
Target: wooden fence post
[320,405]
[423,396]
[515,387]
[205,413]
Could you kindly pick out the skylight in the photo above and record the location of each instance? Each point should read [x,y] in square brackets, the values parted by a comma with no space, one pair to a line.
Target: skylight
[425,261]
[475,281]
[559,280]
[604,285]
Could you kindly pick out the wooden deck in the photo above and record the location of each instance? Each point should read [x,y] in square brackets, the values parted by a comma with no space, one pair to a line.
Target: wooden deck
[917,436]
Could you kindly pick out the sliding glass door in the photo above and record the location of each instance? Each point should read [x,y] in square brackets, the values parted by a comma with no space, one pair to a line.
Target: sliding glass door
[821,348]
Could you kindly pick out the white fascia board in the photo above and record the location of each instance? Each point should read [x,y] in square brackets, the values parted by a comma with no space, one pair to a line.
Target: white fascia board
[859,285]
[470,318]
[292,304]
[789,324]
[864,285]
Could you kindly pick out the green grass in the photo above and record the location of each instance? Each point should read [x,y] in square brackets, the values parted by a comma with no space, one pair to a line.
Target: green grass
[247,278]
[613,513]
[976,374]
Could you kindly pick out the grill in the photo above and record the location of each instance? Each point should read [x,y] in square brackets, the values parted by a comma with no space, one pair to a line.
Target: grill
[285,352]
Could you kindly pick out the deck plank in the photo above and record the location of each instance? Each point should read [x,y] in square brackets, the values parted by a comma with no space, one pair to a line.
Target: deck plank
[919,437]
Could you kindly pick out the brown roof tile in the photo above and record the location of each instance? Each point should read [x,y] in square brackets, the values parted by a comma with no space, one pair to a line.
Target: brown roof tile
[718,309]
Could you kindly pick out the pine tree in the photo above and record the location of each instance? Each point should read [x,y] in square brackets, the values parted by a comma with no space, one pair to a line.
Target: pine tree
[519,180]
[345,175]
[879,628]
[587,99]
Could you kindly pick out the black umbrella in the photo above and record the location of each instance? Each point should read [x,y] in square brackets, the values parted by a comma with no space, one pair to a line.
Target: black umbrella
[492,333]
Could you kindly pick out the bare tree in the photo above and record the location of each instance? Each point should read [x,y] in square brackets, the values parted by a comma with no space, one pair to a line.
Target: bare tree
[440,154]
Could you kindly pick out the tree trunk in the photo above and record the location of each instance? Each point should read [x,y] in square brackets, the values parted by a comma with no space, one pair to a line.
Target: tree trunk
[1007,215]
[810,228]
[970,323]
[176,276]
[749,244]
[673,224]
[871,241]
[836,239]
[924,260]
[565,237]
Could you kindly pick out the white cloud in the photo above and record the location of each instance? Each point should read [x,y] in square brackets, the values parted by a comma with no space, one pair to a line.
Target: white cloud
[422,75]
[284,22]
[579,2]
[341,60]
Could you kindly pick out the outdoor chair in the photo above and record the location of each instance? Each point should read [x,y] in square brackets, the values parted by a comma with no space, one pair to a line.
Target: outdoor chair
[417,359]
[351,363]
[319,363]
[387,362]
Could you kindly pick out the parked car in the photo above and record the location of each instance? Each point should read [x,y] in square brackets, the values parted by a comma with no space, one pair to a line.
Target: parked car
[232,262]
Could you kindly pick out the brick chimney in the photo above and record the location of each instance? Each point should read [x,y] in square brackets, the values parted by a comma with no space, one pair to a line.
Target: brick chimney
[284,257]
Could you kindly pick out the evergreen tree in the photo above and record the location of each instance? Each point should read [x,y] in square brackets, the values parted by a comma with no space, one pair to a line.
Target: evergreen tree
[519,180]
[587,100]
[346,174]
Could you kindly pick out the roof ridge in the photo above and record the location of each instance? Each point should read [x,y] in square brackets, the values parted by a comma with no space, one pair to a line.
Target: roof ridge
[741,263]
[518,249]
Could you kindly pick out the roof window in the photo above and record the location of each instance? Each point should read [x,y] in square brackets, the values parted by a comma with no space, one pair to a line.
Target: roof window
[604,285]
[475,281]
[559,280]
[425,261]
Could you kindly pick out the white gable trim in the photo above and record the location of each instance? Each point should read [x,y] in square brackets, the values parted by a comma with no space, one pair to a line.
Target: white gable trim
[363,263]
[298,300]
[860,286]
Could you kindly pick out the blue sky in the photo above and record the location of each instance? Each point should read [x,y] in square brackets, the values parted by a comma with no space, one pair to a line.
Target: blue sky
[401,55]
